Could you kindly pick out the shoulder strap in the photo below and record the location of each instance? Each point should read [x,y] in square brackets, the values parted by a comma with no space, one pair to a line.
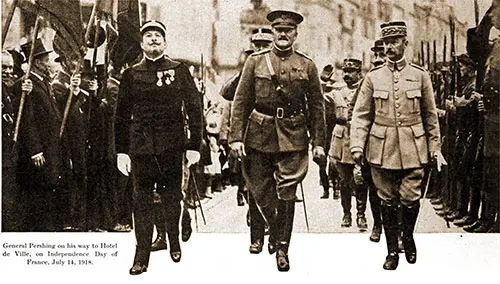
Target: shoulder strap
[274,77]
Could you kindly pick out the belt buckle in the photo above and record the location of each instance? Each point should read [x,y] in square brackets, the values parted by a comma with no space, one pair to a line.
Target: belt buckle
[280,112]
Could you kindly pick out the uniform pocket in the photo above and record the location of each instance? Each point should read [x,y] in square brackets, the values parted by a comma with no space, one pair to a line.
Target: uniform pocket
[336,147]
[381,101]
[420,142]
[376,142]
[263,85]
[414,97]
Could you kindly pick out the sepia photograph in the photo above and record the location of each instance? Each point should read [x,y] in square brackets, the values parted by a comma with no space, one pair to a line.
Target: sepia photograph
[250,141]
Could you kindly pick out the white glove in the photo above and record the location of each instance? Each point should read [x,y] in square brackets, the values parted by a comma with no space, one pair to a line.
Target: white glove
[439,159]
[192,157]
[123,163]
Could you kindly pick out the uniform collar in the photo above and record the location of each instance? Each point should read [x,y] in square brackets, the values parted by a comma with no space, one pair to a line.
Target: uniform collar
[282,52]
[398,65]
[160,63]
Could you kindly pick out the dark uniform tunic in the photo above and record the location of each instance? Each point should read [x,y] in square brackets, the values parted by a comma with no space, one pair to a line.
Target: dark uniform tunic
[150,128]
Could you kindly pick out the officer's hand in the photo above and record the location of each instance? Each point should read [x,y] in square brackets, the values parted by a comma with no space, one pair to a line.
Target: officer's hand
[123,163]
[238,149]
[476,96]
[319,156]
[461,101]
[75,82]
[38,160]
[358,157]
[358,175]
[438,158]
[27,86]
[192,157]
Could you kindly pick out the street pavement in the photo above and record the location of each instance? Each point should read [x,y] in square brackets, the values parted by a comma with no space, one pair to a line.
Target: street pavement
[324,215]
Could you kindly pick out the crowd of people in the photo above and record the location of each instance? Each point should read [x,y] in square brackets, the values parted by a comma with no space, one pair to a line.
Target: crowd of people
[86,151]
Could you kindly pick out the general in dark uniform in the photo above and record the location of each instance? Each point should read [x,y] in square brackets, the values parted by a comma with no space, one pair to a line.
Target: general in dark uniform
[150,138]
[395,125]
[278,102]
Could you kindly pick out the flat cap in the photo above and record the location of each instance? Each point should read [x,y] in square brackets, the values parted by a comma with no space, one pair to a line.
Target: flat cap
[154,25]
[392,29]
[262,34]
[284,19]
[378,45]
[351,63]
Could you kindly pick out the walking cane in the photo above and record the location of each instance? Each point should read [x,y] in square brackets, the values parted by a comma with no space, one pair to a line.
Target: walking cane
[197,196]
[427,183]
[304,201]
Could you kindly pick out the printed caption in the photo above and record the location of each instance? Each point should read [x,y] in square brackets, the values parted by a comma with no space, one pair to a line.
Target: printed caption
[59,254]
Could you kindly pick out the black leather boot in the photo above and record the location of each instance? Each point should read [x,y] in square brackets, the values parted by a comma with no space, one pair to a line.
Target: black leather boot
[173,219]
[390,223]
[284,224]
[161,240]
[186,229]
[410,214]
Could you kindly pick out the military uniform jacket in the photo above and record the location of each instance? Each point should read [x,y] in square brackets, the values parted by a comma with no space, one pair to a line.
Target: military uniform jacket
[339,147]
[149,113]
[300,89]
[394,118]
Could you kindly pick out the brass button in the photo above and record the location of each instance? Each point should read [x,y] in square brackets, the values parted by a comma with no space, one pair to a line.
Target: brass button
[396,97]
[397,105]
[396,89]
[398,114]
[282,58]
[283,71]
[399,122]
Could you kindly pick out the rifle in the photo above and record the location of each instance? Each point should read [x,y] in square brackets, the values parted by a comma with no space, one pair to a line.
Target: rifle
[428,56]
[423,53]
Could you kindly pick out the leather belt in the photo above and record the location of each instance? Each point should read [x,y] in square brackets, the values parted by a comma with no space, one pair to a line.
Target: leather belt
[279,112]
[400,121]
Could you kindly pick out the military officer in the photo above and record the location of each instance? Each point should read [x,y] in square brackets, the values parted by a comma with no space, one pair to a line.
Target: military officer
[269,127]
[395,124]
[150,137]
[339,147]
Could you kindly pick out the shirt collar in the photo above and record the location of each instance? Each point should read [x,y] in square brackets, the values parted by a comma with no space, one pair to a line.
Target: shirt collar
[398,65]
[153,59]
[282,52]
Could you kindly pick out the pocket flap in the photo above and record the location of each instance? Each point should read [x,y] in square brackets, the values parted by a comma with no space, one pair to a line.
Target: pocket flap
[413,94]
[256,117]
[338,131]
[263,76]
[378,131]
[418,130]
[381,94]
[298,75]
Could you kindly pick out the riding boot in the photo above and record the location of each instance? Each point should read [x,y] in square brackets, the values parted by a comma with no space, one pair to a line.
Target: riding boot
[161,240]
[186,229]
[377,218]
[269,214]
[173,219]
[390,223]
[257,227]
[285,216]
[410,214]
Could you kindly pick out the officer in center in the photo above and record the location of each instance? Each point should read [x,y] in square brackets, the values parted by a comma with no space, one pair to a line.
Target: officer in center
[269,127]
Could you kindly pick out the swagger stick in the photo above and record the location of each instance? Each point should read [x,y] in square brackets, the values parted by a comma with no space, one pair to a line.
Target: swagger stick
[26,76]
[305,210]
[427,183]
[197,195]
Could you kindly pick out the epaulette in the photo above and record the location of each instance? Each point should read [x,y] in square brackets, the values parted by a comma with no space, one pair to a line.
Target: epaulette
[377,67]
[418,67]
[264,51]
[303,54]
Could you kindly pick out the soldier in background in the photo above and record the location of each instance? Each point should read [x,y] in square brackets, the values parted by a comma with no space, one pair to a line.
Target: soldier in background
[339,148]
[279,91]
[395,125]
